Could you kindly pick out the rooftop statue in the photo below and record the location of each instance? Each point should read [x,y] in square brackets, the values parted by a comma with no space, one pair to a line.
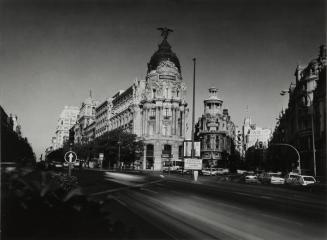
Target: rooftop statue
[165,32]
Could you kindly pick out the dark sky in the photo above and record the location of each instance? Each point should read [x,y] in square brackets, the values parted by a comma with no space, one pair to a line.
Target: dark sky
[53,52]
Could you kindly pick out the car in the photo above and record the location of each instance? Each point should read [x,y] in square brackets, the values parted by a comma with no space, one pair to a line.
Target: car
[291,178]
[251,179]
[271,178]
[209,171]
[222,171]
[183,171]
[57,165]
[305,180]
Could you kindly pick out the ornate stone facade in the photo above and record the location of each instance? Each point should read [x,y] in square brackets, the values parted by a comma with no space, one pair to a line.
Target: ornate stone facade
[216,132]
[67,119]
[155,110]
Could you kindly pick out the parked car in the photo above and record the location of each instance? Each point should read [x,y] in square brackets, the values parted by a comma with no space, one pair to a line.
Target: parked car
[251,179]
[291,178]
[271,178]
[305,180]
[209,171]
[222,171]
[183,171]
[56,165]
[76,163]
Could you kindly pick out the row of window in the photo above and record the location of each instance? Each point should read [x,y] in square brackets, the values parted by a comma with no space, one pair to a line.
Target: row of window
[166,93]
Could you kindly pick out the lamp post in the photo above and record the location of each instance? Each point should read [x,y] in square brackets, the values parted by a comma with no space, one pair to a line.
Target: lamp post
[312,131]
[297,152]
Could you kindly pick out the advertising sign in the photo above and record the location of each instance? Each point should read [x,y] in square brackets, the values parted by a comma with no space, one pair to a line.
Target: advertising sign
[101,156]
[192,164]
[188,148]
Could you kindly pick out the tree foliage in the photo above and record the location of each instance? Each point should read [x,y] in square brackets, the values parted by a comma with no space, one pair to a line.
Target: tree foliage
[115,145]
[15,148]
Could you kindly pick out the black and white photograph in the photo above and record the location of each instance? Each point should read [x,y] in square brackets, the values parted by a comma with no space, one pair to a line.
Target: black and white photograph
[163,119]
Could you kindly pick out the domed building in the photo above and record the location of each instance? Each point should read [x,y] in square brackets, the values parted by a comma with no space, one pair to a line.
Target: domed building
[155,109]
[216,132]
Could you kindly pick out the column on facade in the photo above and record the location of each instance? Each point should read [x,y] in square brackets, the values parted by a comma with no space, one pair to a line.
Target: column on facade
[161,119]
[144,120]
[183,121]
[172,119]
[144,157]
[177,125]
[157,130]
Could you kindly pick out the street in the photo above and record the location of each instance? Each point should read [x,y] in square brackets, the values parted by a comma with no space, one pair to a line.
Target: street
[172,207]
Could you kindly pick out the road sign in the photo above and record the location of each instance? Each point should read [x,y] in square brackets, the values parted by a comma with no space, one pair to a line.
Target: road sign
[192,163]
[70,157]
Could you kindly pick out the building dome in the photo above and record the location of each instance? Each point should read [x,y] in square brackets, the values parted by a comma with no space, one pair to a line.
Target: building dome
[164,53]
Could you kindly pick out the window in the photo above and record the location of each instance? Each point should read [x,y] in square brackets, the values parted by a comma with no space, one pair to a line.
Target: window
[166,92]
[152,114]
[180,151]
[217,142]
[166,113]
[167,149]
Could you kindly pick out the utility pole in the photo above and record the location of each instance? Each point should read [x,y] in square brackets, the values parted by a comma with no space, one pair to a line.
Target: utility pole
[193,110]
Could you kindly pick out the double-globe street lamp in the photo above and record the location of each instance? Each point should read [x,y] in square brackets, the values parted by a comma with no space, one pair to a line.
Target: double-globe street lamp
[312,130]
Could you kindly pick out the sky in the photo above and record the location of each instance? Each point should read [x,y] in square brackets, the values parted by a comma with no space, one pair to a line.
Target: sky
[53,52]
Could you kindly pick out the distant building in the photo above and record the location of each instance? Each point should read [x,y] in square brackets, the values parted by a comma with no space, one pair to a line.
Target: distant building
[66,120]
[90,132]
[85,117]
[254,135]
[216,132]
[103,113]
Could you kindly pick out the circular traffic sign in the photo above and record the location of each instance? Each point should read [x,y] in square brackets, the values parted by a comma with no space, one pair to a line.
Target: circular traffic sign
[70,157]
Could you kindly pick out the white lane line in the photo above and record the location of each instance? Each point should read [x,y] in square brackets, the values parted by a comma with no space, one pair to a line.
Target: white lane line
[124,188]
[244,194]
[148,190]
[117,200]
[266,197]
[281,219]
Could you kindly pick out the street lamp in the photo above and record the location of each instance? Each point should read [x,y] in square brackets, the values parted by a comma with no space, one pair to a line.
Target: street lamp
[312,130]
[297,152]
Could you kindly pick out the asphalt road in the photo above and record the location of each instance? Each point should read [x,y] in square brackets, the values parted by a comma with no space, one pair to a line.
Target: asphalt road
[174,208]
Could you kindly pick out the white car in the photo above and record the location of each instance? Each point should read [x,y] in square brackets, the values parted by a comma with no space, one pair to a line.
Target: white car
[209,172]
[272,178]
[251,179]
[306,180]
[276,179]
[222,170]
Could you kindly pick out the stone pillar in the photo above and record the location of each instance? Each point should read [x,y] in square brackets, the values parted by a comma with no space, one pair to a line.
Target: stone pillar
[183,121]
[157,163]
[177,125]
[144,157]
[157,130]
[172,120]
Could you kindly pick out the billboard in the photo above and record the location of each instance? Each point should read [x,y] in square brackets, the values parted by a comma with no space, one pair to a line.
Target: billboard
[192,163]
[188,148]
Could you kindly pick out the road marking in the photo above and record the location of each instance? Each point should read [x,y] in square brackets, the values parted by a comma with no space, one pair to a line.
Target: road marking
[117,200]
[281,219]
[124,188]
[148,190]
[266,197]
[244,194]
